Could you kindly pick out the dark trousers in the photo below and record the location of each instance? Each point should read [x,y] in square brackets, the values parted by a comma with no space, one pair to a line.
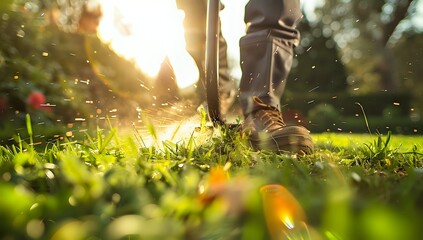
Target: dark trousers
[267,49]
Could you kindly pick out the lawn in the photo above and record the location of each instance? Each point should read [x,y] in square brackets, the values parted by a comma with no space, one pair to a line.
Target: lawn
[208,184]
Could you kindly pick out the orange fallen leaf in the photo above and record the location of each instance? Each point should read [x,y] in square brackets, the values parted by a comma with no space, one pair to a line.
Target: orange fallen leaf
[282,211]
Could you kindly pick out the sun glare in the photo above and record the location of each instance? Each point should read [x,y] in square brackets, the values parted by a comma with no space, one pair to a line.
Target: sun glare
[147,31]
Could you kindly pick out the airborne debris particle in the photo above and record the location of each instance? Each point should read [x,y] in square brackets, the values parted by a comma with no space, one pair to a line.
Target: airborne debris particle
[314,89]
[20,33]
[48,105]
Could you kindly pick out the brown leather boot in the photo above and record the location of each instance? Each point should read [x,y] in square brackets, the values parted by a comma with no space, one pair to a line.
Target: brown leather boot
[268,131]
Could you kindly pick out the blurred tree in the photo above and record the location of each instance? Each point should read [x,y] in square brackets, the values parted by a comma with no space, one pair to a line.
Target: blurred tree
[363,30]
[316,66]
[316,69]
[409,52]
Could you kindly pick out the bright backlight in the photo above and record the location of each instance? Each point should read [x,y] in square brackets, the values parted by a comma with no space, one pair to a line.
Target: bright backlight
[146,31]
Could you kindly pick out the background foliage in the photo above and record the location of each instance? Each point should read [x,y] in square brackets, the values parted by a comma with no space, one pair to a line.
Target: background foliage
[74,76]
[358,51]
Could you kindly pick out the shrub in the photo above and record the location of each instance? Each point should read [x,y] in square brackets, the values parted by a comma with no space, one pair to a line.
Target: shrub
[323,116]
[391,112]
[346,104]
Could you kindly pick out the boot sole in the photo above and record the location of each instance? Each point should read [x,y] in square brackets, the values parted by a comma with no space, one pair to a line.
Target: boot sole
[292,139]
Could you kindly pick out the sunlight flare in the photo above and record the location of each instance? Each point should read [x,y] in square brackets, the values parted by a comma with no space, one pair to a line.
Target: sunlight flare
[145,32]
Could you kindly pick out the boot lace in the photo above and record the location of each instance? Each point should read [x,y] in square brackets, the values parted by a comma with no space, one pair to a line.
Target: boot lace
[270,118]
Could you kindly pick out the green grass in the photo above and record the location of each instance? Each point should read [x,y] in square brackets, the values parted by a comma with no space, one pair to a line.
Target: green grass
[117,185]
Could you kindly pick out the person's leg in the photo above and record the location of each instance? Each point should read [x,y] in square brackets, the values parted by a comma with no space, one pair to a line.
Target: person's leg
[266,59]
[195,35]
[267,49]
